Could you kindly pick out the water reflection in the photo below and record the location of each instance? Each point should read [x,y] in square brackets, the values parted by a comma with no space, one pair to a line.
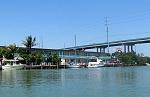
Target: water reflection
[0,78]
[8,78]
[83,74]
[29,78]
[22,78]
[126,76]
[39,77]
[102,82]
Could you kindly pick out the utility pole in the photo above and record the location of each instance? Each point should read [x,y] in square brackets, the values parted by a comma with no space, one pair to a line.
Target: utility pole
[107,32]
[64,46]
[42,41]
[75,51]
[39,44]
[75,41]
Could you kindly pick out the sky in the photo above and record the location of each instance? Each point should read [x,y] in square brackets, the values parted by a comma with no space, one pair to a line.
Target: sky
[55,23]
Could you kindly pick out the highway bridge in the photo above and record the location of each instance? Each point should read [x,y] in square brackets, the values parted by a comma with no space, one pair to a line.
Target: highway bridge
[126,43]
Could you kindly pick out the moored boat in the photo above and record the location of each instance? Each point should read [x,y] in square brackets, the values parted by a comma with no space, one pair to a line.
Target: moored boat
[12,64]
[95,63]
[147,64]
[72,65]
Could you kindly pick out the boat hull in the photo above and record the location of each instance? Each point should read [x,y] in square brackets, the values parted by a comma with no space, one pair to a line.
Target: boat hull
[101,65]
[92,66]
[95,65]
[73,66]
[17,67]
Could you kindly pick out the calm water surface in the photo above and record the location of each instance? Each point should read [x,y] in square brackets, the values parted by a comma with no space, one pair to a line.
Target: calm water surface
[83,82]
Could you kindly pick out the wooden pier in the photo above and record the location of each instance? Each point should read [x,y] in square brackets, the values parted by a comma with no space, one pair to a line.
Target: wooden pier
[44,66]
[64,66]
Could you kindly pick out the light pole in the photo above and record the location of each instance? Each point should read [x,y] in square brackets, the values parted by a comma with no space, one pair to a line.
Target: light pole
[107,33]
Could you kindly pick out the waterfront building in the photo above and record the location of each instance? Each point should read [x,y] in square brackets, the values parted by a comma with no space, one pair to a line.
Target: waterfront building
[66,56]
[81,57]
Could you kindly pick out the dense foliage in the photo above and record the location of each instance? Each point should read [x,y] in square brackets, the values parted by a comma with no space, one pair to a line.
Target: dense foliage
[30,57]
[8,51]
[131,58]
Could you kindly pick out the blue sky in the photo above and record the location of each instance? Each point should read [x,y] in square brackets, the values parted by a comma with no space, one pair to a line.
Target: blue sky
[58,21]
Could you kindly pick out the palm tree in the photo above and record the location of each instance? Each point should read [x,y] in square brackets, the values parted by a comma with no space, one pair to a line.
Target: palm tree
[4,52]
[56,60]
[12,49]
[29,43]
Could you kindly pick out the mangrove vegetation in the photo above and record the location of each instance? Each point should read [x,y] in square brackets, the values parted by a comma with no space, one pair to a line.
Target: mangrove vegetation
[131,58]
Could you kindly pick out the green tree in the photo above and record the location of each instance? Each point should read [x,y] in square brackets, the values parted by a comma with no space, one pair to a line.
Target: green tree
[4,52]
[132,58]
[39,57]
[26,57]
[29,43]
[127,59]
[56,60]
[49,57]
[36,57]
[12,49]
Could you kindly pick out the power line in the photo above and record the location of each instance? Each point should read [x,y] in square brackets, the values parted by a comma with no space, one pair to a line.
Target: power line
[116,35]
[85,27]
[130,13]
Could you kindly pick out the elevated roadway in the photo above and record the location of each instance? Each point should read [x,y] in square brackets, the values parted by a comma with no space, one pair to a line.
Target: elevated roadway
[128,42]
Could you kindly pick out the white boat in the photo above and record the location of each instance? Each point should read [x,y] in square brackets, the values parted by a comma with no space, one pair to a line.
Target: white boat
[72,65]
[95,63]
[148,64]
[13,64]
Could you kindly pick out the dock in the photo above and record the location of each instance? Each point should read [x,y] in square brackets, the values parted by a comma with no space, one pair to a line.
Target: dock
[44,66]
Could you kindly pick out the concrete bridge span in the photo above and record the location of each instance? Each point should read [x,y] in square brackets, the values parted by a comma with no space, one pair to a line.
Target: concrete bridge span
[128,45]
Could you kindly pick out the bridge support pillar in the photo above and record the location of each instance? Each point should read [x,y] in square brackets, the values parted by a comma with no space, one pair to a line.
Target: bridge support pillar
[125,48]
[132,48]
[129,48]
[102,50]
[97,50]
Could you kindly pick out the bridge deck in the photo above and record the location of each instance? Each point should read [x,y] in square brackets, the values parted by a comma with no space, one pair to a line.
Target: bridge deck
[114,43]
